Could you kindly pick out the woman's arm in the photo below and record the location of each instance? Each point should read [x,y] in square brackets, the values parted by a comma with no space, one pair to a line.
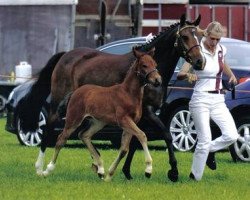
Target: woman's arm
[184,73]
[230,74]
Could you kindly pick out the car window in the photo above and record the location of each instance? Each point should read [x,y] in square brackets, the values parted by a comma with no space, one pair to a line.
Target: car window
[119,48]
[238,55]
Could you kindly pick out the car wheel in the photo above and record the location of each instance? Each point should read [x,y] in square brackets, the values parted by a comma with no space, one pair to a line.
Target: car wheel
[32,138]
[2,103]
[241,148]
[181,126]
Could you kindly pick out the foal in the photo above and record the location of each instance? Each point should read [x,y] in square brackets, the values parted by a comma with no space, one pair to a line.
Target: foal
[120,105]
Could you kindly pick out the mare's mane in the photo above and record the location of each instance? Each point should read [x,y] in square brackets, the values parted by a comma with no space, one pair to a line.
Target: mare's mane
[150,44]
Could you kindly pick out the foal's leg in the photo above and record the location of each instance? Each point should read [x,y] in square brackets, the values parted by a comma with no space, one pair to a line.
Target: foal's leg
[61,141]
[134,144]
[152,118]
[173,172]
[129,126]
[86,138]
[126,137]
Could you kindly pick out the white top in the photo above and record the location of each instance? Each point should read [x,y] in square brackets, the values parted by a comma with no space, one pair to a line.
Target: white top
[207,81]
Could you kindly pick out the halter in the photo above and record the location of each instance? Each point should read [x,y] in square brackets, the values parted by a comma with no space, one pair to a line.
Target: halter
[145,76]
[183,50]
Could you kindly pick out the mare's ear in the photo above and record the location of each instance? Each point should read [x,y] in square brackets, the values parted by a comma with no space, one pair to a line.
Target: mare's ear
[200,32]
[183,20]
[151,52]
[137,53]
[197,21]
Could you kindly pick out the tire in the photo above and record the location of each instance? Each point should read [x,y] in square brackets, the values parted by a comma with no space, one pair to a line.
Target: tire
[3,101]
[32,139]
[181,127]
[240,150]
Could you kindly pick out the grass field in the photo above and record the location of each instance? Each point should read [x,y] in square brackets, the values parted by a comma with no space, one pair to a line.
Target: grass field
[74,179]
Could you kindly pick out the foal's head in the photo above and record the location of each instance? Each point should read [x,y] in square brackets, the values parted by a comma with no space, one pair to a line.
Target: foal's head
[187,42]
[145,67]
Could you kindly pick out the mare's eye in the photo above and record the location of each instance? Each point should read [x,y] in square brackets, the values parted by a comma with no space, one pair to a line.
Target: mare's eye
[184,37]
[144,66]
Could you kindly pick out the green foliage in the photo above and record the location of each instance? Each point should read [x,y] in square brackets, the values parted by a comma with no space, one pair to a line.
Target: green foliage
[74,179]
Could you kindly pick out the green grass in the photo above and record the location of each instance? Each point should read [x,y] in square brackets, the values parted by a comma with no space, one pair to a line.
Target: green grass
[73,178]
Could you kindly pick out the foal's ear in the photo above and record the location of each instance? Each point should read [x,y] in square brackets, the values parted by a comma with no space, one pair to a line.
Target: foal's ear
[137,53]
[151,52]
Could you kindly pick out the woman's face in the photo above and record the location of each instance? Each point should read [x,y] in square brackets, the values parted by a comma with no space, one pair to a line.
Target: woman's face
[211,41]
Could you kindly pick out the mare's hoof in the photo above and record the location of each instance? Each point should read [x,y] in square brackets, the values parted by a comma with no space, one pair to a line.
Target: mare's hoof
[173,175]
[94,167]
[101,176]
[127,174]
[148,175]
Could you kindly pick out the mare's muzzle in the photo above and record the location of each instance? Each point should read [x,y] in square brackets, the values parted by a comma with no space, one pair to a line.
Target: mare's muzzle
[199,64]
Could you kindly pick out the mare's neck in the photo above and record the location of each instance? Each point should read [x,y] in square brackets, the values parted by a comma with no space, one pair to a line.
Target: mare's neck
[166,57]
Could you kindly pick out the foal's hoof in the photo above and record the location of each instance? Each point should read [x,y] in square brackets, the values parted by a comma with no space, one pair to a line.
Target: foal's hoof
[148,175]
[173,175]
[127,174]
[101,176]
[94,167]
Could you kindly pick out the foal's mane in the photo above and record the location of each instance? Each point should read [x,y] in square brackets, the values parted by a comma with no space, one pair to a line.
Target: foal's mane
[149,45]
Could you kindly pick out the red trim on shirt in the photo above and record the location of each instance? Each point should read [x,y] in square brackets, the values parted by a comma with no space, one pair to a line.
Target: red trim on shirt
[221,64]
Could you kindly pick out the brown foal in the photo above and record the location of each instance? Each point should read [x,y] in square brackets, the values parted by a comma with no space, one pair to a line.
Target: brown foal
[120,105]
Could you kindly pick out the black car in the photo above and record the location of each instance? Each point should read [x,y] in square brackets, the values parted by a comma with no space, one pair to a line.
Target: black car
[174,112]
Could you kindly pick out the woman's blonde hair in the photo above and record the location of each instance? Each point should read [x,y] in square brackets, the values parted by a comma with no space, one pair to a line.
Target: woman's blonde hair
[214,28]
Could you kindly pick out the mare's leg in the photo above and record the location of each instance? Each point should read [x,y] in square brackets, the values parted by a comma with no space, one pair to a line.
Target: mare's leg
[61,141]
[126,137]
[173,172]
[129,126]
[48,139]
[86,138]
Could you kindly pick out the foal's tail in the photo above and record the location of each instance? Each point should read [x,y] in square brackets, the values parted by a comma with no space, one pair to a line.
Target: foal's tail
[30,105]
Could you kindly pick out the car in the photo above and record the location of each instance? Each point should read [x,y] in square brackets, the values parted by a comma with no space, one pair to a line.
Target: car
[174,112]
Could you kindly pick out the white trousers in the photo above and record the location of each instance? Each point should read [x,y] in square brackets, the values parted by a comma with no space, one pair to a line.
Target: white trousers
[204,106]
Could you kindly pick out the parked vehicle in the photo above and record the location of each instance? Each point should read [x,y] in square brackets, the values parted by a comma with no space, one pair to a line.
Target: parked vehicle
[174,112]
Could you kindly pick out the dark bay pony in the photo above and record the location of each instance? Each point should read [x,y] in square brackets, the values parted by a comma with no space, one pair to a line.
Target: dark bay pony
[65,72]
[120,105]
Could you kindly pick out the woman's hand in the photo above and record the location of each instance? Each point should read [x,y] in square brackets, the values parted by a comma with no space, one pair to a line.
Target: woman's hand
[191,77]
[233,80]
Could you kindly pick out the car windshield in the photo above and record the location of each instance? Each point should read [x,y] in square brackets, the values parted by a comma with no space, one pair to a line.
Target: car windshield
[238,54]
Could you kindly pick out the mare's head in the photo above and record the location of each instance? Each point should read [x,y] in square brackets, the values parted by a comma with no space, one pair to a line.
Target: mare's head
[177,40]
[145,67]
[187,43]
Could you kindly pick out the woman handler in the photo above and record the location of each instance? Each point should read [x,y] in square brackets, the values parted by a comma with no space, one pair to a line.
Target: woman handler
[208,101]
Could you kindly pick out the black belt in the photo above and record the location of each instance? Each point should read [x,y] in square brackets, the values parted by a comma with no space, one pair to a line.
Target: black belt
[221,91]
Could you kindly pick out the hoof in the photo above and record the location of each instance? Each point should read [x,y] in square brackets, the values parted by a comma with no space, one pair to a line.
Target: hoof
[173,175]
[108,178]
[127,174]
[94,167]
[101,176]
[148,175]
[40,173]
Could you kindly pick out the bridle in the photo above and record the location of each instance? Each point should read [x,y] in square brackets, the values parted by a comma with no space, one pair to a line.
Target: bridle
[179,44]
[144,77]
